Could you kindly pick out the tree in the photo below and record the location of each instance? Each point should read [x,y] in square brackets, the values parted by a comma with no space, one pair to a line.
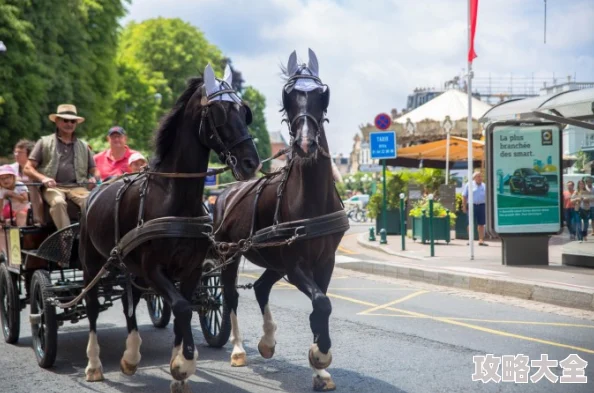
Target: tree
[257,104]
[22,86]
[172,47]
[136,105]
[58,52]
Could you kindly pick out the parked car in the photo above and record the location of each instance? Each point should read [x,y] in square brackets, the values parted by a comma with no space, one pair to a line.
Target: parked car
[360,200]
[528,181]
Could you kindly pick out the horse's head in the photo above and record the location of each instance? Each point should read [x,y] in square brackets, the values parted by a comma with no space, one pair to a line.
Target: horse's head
[224,125]
[305,101]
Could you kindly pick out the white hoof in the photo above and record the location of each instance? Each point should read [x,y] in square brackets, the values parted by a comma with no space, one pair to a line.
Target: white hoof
[238,359]
[182,368]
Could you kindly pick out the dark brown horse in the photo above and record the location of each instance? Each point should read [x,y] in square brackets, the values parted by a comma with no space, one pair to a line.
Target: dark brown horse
[308,192]
[182,145]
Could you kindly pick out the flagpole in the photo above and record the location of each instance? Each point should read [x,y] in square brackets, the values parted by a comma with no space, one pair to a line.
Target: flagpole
[470,146]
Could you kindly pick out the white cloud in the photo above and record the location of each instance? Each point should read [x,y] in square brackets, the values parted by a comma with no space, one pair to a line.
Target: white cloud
[374,53]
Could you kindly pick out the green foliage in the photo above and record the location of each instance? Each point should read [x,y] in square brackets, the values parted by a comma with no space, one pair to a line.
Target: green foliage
[581,161]
[422,206]
[172,47]
[396,183]
[257,104]
[57,52]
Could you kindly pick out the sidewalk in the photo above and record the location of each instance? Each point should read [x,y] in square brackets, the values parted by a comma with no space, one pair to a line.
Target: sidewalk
[557,284]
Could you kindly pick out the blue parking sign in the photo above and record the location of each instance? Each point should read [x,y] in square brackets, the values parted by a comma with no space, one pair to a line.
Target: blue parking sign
[210,180]
[382,144]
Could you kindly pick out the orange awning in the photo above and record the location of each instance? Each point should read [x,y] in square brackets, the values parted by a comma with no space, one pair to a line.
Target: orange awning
[437,150]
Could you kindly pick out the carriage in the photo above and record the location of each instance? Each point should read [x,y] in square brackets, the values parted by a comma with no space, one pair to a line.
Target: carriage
[41,267]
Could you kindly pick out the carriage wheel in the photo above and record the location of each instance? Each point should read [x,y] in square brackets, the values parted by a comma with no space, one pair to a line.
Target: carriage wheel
[10,309]
[44,324]
[215,318]
[159,311]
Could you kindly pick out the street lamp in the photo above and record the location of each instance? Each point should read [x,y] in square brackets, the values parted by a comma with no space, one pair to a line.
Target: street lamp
[432,242]
[447,126]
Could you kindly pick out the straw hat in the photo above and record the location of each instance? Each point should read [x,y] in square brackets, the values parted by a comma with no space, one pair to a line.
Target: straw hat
[66,111]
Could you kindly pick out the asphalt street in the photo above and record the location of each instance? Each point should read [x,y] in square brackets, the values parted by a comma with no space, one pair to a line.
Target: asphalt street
[389,336]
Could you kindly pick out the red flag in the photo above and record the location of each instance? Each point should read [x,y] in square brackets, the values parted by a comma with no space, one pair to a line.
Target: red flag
[473,13]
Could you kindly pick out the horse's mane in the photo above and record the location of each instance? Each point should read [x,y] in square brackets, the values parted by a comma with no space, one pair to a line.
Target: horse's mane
[166,133]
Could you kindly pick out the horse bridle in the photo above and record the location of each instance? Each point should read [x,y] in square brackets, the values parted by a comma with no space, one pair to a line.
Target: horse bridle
[306,115]
[207,113]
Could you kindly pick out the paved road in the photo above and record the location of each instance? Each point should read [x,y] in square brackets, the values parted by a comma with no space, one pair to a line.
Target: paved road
[389,336]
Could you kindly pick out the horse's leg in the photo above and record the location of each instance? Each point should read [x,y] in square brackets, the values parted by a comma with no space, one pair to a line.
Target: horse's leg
[262,288]
[185,354]
[94,370]
[131,356]
[320,356]
[90,258]
[229,281]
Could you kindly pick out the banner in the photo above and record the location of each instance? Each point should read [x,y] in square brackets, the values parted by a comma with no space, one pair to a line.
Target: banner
[473,4]
[527,179]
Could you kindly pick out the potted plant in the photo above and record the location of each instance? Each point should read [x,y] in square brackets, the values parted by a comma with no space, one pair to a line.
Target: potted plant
[396,183]
[461,225]
[421,222]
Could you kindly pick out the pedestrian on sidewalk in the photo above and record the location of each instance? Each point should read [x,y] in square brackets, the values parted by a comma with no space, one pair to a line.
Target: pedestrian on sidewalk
[581,202]
[479,195]
[568,209]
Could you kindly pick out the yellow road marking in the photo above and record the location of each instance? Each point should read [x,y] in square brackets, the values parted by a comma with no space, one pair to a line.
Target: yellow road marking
[384,306]
[346,250]
[556,324]
[457,323]
[350,299]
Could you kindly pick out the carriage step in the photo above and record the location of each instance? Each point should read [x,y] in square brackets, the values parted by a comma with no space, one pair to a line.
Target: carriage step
[35,319]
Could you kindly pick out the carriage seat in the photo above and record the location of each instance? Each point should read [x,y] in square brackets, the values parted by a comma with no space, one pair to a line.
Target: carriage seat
[40,208]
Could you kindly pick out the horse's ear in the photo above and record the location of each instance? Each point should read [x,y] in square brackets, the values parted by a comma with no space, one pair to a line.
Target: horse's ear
[292,64]
[313,63]
[209,80]
[228,78]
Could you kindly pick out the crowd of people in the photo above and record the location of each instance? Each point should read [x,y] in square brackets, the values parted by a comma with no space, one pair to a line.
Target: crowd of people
[65,166]
[579,208]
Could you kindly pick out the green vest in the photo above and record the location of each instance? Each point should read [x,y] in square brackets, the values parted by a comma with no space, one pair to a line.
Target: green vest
[50,159]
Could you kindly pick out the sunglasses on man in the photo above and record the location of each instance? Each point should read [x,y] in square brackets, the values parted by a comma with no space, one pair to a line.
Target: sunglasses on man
[68,120]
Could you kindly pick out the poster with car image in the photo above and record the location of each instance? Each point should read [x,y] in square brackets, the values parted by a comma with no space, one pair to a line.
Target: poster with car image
[527,173]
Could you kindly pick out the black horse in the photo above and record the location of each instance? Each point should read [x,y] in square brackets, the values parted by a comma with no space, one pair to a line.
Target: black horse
[208,115]
[307,192]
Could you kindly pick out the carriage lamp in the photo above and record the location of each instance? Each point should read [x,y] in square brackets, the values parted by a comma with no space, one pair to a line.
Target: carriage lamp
[371,234]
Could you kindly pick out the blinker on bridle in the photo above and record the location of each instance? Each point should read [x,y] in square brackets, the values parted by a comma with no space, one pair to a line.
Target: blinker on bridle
[206,101]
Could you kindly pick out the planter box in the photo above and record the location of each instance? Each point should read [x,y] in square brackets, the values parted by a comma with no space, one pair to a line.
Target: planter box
[461,226]
[441,228]
[392,222]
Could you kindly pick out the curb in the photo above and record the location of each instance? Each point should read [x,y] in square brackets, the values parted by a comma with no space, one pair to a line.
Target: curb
[558,295]
[378,247]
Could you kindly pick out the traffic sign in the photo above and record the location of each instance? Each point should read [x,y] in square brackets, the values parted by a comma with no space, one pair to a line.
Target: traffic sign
[210,180]
[383,144]
[383,121]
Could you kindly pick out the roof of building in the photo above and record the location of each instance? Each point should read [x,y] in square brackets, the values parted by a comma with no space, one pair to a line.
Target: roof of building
[452,103]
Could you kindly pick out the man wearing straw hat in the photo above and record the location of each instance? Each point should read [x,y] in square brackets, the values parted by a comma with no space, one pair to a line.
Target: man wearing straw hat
[63,163]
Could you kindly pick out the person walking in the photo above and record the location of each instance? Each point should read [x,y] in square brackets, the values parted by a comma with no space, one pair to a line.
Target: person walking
[568,209]
[479,195]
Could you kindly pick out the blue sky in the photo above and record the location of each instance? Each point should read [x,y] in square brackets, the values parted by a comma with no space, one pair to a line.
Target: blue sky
[373,53]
